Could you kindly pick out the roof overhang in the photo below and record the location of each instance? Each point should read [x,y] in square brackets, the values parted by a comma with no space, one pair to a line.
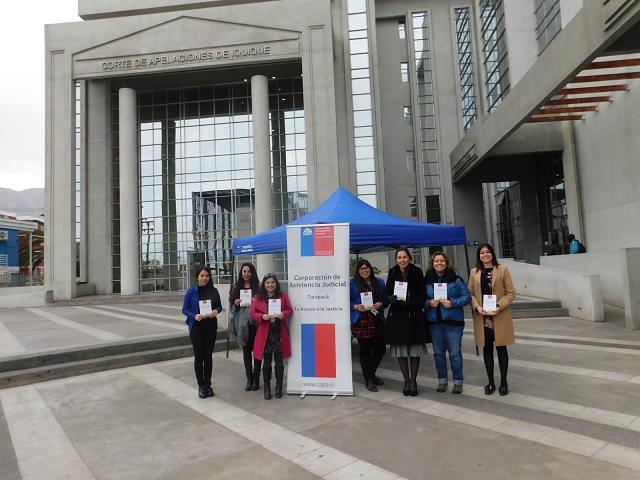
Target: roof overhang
[568,80]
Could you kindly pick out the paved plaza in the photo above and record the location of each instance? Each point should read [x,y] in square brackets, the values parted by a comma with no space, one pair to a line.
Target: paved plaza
[573,411]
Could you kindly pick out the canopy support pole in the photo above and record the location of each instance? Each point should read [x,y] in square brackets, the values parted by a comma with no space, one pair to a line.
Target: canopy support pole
[233,276]
[466,257]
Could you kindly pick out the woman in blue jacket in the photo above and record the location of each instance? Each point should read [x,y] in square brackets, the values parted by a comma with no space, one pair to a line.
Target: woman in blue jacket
[367,321]
[201,307]
[445,315]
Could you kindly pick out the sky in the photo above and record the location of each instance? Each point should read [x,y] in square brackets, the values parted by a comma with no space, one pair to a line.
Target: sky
[22,88]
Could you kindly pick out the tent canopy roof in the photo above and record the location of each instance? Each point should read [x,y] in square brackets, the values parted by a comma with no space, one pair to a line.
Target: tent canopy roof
[371,230]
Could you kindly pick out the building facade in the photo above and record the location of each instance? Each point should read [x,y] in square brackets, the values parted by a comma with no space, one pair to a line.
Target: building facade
[176,126]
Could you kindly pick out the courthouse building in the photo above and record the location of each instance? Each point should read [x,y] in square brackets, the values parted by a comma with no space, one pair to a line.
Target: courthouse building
[175,126]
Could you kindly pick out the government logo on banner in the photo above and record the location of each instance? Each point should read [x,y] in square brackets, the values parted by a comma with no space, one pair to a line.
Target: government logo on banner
[319,350]
[317,241]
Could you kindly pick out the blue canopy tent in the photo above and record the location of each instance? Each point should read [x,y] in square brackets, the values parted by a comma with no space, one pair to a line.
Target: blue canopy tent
[371,230]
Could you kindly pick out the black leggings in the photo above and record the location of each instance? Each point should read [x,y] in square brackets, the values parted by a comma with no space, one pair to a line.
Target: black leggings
[371,352]
[203,338]
[503,357]
[251,366]
[266,364]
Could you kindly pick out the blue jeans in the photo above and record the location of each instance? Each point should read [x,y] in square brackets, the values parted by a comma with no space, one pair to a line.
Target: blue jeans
[447,338]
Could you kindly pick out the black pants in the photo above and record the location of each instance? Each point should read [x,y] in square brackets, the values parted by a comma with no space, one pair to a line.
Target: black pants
[371,352]
[266,363]
[503,356]
[251,366]
[203,337]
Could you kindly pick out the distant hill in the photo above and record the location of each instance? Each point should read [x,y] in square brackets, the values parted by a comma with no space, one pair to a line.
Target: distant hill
[25,202]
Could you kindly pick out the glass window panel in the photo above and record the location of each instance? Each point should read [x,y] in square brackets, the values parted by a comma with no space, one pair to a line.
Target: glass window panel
[360,61]
[362,102]
[359,46]
[362,118]
[356,6]
[358,21]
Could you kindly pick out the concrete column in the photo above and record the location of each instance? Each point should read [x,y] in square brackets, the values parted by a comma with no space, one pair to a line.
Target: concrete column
[572,182]
[262,161]
[631,286]
[128,192]
[98,205]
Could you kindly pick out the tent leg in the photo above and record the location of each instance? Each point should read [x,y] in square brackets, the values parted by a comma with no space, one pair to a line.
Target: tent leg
[233,276]
[466,257]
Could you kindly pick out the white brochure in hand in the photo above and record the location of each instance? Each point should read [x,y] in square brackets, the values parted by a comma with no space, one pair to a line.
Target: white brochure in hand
[490,303]
[245,298]
[275,307]
[367,299]
[440,291]
[205,307]
[400,290]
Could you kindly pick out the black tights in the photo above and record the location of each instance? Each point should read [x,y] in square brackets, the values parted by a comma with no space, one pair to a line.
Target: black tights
[266,366]
[251,365]
[503,357]
[409,369]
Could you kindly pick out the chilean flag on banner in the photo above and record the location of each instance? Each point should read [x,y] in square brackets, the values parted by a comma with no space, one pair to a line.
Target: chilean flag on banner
[319,350]
[317,241]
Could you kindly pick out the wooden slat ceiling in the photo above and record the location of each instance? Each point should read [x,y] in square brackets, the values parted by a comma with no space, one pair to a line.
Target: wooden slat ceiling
[576,99]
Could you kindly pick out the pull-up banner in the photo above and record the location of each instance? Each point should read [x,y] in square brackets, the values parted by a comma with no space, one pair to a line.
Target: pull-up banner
[318,257]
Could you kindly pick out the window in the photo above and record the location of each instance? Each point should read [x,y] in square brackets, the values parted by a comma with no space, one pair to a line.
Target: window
[411,161]
[548,22]
[406,114]
[464,48]
[413,206]
[402,30]
[404,72]
[494,49]
[361,97]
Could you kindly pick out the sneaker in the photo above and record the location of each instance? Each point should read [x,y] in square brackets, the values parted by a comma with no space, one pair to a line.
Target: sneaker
[202,392]
[442,387]
[457,388]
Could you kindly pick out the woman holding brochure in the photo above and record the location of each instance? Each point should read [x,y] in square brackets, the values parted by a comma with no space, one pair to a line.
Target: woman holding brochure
[242,328]
[406,329]
[447,294]
[368,301]
[201,306]
[492,293]
[271,310]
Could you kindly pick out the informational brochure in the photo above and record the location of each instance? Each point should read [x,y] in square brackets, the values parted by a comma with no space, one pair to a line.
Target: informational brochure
[275,307]
[245,298]
[400,290]
[205,307]
[440,291]
[367,299]
[490,303]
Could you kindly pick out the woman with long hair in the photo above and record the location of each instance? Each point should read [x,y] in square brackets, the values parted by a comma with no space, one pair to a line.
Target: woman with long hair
[202,306]
[272,310]
[368,301]
[447,294]
[406,329]
[242,328]
[492,293]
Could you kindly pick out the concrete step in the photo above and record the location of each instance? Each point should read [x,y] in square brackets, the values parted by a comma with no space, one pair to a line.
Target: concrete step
[155,297]
[45,373]
[540,313]
[535,304]
[27,369]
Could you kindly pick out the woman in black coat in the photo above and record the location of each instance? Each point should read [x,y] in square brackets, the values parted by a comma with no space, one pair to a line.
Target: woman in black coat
[406,329]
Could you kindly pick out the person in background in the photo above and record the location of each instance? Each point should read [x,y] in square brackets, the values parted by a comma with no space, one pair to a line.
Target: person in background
[242,328]
[490,278]
[202,306]
[446,319]
[272,338]
[575,246]
[406,330]
[367,322]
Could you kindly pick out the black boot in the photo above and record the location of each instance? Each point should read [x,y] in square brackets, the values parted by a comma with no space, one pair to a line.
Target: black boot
[279,377]
[255,386]
[246,354]
[266,376]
